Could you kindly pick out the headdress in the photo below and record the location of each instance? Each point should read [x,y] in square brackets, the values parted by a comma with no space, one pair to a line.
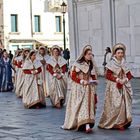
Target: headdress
[118,46]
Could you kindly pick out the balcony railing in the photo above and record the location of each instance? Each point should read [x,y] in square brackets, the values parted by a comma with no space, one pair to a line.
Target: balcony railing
[55,5]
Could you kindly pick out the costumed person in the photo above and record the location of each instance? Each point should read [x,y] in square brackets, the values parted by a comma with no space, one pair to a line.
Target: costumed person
[82,100]
[43,57]
[57,67]
[6,84]
[33,96]
[15,66]
[20,75]
[118,95]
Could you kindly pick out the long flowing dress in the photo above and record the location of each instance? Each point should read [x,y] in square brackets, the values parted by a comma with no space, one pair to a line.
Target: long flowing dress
[6,75]
[82,99]
[118,97]
[44,73]
[15,66]
[33,87]
[20,76]
[58,87]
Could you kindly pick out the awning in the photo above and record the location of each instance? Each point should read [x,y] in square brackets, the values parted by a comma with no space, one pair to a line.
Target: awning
[43,42]
[36,43]
[22,41]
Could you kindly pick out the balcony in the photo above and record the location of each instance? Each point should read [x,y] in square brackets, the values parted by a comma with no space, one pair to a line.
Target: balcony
[54,5]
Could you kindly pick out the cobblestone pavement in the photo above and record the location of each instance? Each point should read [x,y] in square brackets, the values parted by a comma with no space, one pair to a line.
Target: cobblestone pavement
[17,123]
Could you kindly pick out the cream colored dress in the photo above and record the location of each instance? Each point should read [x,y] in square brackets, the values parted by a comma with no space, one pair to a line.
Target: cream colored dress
[58,87]
[14,64]
[81,103]
[20,76]
[118,101]
[45,73]
[33,86]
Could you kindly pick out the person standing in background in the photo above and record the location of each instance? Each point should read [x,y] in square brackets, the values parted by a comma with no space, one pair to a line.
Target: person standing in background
[66,55]
[0,67]
[107,57]
[6,84]
[10,55]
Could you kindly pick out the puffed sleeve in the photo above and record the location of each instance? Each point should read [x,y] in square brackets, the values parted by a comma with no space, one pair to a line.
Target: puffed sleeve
[110,76]
[93,77]
[74,75]
[129,75]
[39,70]
[64,69]
[50,69]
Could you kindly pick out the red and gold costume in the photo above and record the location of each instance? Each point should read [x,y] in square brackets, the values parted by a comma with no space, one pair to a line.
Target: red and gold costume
[33,87]
[118,95]
[58,80]
[82,98]
[20,76]
[43,60]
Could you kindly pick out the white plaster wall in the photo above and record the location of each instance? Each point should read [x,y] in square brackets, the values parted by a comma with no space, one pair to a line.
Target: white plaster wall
[128,30]
[22,7]
[103,23]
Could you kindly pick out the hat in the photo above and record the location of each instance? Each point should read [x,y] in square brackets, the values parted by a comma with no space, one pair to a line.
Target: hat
[118,46]
[55,47]
[26,49]
[42,47]
[87,47]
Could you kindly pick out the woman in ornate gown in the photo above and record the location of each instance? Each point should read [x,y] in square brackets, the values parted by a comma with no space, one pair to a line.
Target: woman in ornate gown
[43,57]
[118,95]
[81,105]
[33,96]
[15,66]
[20,75]
[57,67]
[6,73]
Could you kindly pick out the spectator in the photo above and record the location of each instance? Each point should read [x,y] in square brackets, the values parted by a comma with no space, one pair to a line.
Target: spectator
[6,73]
[107,56]
[10,55]
[66,54]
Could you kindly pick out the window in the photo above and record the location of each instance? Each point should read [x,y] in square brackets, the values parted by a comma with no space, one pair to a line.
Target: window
[37,23]
[58,23]
[27,46]
[13,48]
[14,27]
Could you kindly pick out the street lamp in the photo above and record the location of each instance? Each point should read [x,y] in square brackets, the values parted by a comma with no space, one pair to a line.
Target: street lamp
[64,9]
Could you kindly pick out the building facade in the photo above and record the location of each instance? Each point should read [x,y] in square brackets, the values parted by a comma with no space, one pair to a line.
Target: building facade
[102,23]
[30,23]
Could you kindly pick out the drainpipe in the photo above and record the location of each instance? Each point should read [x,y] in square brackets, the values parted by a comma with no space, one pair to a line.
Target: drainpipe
[31,18]
[113,22]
